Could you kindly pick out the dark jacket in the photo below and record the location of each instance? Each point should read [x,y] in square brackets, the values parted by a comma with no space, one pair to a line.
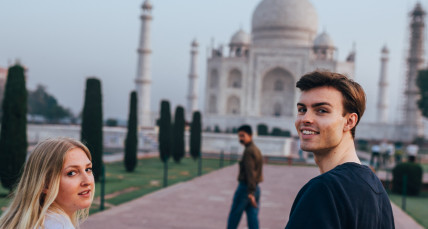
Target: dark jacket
[349,196]
[250,167]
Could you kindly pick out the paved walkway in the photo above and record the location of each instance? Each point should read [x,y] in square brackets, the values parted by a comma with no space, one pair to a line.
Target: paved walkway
[204,202]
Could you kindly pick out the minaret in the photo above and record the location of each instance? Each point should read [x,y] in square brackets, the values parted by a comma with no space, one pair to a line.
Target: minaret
[382,102]
[143,79]
[412,115]
[192,98]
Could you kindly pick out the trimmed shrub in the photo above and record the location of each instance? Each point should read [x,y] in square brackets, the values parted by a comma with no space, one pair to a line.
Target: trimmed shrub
[164,131]
[262,130]
[276,131]
[92,124]
[178,148]
[131,141]
[195,135]
[414,178]
[286,133]
[13,140]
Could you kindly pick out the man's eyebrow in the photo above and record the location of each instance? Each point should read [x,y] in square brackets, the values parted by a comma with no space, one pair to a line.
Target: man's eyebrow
[321,104]
[315,104]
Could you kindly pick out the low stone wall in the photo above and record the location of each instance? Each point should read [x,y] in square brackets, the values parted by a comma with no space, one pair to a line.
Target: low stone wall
[229,143]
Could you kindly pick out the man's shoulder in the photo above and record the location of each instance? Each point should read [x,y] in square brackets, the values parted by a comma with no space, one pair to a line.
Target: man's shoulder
[252,148]
[352,177]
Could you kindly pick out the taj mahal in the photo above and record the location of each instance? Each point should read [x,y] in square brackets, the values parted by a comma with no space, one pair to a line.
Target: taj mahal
[253,80]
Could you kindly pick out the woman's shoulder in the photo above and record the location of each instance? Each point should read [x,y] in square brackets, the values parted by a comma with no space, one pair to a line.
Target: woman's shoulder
[57,221]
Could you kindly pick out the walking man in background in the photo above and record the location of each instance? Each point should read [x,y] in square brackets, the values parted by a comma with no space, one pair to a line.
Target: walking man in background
[247,195]
[346,194]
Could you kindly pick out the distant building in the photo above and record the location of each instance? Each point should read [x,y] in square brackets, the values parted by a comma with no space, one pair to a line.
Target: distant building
[254,81]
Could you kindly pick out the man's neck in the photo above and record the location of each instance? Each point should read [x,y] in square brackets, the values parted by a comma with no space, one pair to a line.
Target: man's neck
[342,153]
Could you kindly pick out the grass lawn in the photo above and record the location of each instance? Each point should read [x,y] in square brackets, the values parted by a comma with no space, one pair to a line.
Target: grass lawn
[425,167]
[122,186]
[417,207]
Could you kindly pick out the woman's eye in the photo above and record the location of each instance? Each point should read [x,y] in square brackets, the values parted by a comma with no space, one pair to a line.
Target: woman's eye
[88,170]
[71,173]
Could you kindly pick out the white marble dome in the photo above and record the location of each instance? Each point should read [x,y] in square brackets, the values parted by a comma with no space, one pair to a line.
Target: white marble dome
[292,20]
[323,40]
[240,38]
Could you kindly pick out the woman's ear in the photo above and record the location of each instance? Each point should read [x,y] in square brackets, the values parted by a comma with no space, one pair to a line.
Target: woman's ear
[351,121]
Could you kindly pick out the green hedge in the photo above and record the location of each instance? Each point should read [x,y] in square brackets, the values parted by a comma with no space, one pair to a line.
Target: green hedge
[414,178]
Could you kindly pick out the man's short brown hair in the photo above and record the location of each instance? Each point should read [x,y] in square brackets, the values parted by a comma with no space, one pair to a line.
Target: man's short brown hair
[354,98]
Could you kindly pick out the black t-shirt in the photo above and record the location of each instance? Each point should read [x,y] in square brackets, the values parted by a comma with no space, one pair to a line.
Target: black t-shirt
[348,196]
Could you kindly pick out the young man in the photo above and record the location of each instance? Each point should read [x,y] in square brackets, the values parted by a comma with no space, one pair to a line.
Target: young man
[247,194]
[346,194]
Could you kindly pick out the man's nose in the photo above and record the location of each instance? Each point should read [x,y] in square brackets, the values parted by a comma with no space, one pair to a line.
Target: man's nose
[308,117]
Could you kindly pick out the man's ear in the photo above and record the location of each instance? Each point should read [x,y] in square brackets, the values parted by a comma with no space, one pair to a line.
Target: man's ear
[351,121]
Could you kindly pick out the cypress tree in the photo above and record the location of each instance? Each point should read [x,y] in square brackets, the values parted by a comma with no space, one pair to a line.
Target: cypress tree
[165,138]
[195,135]
[164,131]
[131,141]
[13,137]
[178,135]
[422,83]
[92,124]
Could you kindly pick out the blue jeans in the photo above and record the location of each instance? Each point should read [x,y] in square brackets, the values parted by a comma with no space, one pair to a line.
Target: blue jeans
[241,203]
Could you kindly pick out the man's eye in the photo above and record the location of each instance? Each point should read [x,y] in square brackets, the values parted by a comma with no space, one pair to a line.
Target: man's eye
[322,111]
[71,173]
[301,110]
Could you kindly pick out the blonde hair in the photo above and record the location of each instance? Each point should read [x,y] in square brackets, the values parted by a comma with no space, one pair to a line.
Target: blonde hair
[42,171]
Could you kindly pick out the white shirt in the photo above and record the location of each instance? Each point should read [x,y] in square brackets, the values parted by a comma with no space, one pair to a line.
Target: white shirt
[375,148]
[391,149]
[412,150]
[57,221]
[383,147]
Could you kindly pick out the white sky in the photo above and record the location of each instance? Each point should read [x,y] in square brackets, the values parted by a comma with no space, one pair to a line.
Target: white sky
[64,42]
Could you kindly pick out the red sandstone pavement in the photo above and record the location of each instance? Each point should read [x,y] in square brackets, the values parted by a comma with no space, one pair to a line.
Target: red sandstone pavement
[204,202]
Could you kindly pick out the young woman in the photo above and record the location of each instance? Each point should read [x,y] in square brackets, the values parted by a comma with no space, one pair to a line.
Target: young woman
[56,188]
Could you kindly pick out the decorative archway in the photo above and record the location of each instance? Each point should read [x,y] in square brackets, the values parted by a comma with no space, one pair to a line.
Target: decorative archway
[235,79]
[233,105]
[277,93]
[212,104]
[214,79]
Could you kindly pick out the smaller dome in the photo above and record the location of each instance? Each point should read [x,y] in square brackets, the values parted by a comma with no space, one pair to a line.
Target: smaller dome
[147,5]
[240,38]
[323,40]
